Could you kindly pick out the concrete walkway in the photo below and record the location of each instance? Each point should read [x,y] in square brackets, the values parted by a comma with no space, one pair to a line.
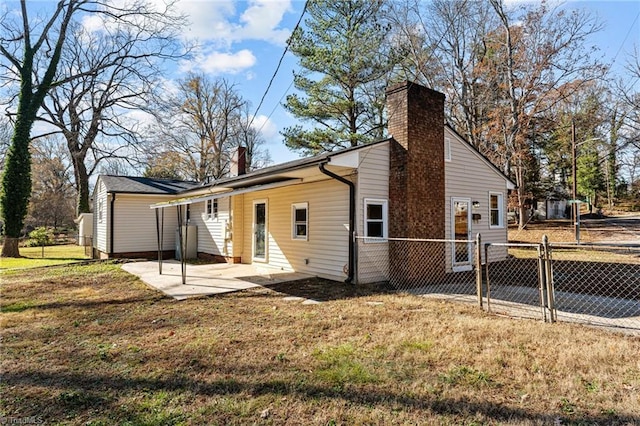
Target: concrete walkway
[205,280]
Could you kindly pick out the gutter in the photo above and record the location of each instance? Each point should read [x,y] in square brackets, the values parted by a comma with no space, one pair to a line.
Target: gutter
[111,222]
[352,216]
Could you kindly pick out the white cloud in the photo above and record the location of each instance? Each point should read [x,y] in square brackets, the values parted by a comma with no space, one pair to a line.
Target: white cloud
[266,127]
[209,20]
[220,62]
[261,19]
[218,21]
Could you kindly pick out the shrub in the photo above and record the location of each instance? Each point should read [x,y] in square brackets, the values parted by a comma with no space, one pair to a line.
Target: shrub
[40,237]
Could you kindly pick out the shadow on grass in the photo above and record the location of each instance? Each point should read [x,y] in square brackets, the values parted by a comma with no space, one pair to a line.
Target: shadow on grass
[326,290]
[23,306]
[79,393]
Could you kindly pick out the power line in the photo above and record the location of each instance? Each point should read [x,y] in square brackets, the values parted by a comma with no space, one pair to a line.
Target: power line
[286,48]
[625,38]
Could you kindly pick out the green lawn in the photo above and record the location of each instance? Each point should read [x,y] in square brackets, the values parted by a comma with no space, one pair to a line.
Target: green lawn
[53,255]
[93,345]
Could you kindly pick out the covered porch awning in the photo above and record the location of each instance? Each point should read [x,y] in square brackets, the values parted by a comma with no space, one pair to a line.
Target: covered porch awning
[224,192]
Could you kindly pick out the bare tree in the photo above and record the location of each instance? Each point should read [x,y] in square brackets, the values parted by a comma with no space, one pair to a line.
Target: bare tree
[204,122]
[53,192]
[445,43]
[248,136]
[545,50]
[31,51]
[91,111]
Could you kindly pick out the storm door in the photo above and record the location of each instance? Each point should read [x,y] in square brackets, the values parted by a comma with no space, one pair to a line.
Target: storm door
[461,230]
[260,231]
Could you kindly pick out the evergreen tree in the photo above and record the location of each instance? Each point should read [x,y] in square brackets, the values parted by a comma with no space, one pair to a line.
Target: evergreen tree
[344,68]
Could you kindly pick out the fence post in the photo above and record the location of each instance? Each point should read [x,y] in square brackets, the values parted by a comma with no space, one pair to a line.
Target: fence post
[479,269]
[548,270]
[487,276]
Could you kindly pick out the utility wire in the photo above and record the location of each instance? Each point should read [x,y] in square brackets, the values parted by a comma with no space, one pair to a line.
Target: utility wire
[625,39]
[286,48]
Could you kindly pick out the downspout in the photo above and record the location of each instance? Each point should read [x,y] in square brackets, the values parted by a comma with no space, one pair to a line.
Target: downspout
[111,222]
[352,217]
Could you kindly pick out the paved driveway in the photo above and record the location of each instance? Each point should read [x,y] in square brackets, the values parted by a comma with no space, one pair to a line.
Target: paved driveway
[205,280]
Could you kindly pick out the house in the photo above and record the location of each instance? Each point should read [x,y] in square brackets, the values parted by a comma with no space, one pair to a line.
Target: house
[123,224]
[424,181]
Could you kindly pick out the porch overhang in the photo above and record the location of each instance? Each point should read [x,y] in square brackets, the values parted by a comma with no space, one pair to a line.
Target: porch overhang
[221,192]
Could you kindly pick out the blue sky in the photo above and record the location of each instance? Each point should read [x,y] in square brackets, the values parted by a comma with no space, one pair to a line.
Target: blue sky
[243,41]
[246,39]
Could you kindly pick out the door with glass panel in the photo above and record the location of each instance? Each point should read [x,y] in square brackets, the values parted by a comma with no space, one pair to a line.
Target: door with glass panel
[260,231]
[461,230]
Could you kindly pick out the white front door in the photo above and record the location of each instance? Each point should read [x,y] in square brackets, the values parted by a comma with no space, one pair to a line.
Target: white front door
[260,231]
[461,230]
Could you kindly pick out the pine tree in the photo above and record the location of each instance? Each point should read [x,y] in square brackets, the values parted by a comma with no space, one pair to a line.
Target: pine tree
[344,69]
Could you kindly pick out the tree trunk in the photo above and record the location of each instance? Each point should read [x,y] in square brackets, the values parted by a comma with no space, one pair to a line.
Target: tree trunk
[16,185]
[10,247]
[82,183]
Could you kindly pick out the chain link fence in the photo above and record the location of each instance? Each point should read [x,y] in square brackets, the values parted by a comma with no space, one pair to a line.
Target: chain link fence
[596,284]
[441,268]
[591,284]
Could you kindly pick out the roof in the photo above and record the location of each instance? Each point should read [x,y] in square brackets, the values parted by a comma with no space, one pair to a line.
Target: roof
[291,165]
[142,185]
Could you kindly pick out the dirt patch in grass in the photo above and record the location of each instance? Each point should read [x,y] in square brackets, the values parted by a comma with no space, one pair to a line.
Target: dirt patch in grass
[92,345]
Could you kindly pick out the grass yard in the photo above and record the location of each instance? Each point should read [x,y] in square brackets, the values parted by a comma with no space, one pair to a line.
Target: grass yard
[53,255]
[92,345]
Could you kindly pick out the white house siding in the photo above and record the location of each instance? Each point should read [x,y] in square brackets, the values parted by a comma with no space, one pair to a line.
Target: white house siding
[373,182]
[469,176]
[135,224]
[212,235]
[100,224]
[326,249]
[237,219]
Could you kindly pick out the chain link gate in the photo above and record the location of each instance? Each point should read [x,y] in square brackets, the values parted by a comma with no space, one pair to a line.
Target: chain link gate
[590,284]
[518,284]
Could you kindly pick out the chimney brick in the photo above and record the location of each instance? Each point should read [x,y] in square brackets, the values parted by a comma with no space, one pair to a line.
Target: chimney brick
[239,162]
[416,178]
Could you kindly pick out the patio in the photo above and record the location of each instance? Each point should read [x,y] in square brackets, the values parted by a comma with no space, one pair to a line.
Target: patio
[208,279]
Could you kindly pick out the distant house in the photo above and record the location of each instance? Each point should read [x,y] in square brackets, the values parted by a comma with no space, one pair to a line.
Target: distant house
[424,181]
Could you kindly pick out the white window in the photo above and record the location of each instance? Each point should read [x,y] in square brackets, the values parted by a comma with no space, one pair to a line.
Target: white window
[447,149]
[300,221]
[496,210]
[375,218]
[212,209]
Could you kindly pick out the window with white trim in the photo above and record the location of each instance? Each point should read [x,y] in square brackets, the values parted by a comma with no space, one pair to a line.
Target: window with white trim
[496,210]
[212,209]
[375,218]
[300,221]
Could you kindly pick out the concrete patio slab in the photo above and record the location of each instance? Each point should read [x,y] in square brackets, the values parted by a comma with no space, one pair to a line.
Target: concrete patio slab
[209,279]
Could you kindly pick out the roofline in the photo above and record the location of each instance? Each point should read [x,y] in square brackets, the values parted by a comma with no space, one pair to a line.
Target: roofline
[283,167]
[482,156]
[170,194]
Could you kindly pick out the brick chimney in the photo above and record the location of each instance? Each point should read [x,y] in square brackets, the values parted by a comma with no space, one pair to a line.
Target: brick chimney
[416,177]
[239,162]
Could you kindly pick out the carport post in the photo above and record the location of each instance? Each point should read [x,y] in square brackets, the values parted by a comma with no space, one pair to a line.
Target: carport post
[181,248]
[160,236]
